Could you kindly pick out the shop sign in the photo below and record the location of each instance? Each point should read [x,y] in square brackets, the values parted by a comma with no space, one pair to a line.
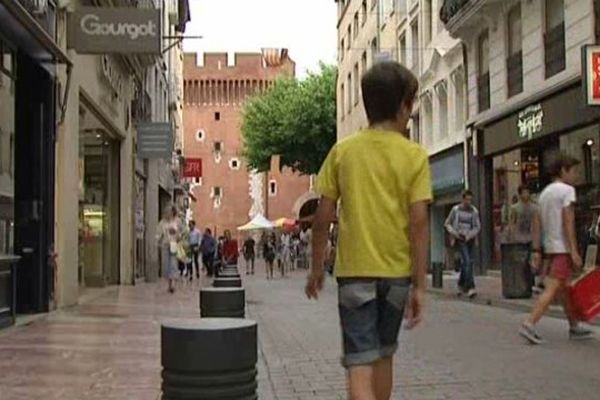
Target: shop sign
[530,121]
[120,30]
[192,168]
[155,140]
[591,74]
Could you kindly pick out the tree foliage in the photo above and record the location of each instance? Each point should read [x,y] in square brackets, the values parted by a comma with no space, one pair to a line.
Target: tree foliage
[295,120]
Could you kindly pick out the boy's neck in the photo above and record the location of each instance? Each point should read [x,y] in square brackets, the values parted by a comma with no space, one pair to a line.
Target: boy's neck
[389,126]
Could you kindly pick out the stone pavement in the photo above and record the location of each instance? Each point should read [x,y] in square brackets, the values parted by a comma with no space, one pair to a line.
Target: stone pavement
[109,348]
[462,352]
[489,289]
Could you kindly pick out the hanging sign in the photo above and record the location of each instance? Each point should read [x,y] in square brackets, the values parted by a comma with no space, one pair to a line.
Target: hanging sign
[116,30]
[591,74]
[192,168]
[155,140]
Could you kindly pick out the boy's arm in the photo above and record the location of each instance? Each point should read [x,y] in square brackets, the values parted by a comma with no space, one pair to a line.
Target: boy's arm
[568,214]
[419,239]
[324,215]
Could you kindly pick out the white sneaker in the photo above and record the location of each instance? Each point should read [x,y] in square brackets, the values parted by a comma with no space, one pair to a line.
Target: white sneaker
[472,293]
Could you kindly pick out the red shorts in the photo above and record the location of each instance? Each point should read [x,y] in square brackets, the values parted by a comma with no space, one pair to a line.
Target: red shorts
[561,267]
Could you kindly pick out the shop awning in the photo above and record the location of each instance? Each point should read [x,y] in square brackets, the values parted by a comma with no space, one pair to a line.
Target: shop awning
[23,30]
[258,222]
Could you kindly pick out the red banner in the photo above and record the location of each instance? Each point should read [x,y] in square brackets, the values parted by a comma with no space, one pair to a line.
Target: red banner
[591,74]
[192,168]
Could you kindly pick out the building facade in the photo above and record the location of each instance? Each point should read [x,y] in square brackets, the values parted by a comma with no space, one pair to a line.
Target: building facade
[75,199]
[215,90]
[526,104]
[412,33]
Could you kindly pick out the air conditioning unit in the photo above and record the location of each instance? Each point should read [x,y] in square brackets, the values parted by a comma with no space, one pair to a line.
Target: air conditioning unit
[173,12]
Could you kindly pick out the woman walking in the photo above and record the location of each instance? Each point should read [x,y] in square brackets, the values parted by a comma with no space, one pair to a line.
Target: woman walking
[169,233]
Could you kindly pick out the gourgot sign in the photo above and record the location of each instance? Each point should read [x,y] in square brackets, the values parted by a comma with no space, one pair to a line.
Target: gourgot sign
[106,30]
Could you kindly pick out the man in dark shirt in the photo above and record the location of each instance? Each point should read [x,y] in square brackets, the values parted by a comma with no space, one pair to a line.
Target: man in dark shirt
[208,246]
[249,254]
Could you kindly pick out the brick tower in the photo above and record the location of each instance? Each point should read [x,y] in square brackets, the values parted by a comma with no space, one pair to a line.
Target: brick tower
[214,94]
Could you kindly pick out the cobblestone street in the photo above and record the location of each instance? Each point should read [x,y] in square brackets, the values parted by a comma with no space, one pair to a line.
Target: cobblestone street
[108,348]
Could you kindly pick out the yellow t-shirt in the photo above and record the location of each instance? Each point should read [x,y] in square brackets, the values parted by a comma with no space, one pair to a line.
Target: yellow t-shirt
[377,175]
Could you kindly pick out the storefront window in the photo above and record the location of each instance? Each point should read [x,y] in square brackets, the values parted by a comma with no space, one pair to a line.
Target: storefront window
[7,132]
[528,166]
[99,205]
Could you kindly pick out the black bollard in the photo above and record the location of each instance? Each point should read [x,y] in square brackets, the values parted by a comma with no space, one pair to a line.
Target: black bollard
[222,302]
[210,358]
[227,282]
[229,274]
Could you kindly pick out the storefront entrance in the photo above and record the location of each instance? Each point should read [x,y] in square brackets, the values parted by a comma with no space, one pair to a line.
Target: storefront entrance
[98,203]
[526,162]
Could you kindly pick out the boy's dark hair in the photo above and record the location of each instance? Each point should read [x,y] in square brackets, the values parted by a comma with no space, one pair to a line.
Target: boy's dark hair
[467,193]
[564,161]
[386,87]
[523,188]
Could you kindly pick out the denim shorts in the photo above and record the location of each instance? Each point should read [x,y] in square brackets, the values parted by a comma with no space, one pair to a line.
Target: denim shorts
[371,313]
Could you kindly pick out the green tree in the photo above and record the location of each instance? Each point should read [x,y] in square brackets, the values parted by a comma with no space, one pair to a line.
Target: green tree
[295,120]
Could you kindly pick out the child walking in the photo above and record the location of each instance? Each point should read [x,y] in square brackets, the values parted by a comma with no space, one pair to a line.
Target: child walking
[384,184]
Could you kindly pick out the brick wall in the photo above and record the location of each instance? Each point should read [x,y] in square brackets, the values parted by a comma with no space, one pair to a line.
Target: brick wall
[221,86]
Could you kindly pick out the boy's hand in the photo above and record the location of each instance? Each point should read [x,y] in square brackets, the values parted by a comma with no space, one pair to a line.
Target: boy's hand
[416,303]
[577,261]
[314,284]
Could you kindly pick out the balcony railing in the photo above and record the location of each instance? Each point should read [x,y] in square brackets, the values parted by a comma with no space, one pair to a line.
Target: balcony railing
[514,67]
[483,91]
[450,8]
[44,12]
[554,50]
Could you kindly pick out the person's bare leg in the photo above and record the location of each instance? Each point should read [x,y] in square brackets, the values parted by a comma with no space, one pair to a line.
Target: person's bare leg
[361,383]
[541,306]
[568,307]
[383,371]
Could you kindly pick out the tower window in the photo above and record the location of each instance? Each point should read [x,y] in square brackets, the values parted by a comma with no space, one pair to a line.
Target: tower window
[200,135]
[218,147]
[272,188]
[234,163]
[217,191]
[217,116]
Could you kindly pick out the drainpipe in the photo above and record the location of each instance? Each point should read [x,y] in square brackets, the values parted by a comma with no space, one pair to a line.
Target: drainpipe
[377,10]
[466,112]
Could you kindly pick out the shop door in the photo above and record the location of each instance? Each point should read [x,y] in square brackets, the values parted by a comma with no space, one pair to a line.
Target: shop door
[34,185]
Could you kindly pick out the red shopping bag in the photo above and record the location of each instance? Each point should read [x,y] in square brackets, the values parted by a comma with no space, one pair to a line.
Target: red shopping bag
[585,295]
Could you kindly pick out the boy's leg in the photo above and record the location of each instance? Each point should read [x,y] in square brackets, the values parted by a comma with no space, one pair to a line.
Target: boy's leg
[383,378]
[553,286]
[462,251]
[361,380]
[568,307]
[470,249]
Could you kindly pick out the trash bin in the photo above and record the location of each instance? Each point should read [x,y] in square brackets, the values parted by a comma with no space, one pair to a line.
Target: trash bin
[437,275]
[517,277]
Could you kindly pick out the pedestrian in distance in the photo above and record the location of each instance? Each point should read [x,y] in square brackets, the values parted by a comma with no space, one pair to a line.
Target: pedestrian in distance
[524,220]
[384,184]
[557,210]
[269,250]
[168,236]
[249,251]
[463,225]
[208,247]
[195,237]
[230,249]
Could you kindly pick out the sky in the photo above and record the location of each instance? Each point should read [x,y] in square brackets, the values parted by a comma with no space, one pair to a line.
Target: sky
[306,27]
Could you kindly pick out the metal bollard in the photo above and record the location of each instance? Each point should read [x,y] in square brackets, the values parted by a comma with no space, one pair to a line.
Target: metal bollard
[437,275]
[227,282]
[222,302]
[210,358]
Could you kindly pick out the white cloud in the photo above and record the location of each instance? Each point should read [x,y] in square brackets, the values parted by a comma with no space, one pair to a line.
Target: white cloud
[307,28]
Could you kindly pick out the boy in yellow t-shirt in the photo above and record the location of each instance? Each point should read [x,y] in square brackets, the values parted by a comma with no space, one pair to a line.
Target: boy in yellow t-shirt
[383,183]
